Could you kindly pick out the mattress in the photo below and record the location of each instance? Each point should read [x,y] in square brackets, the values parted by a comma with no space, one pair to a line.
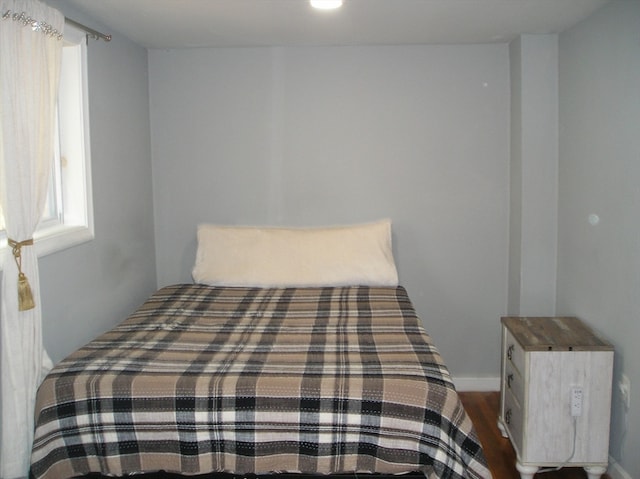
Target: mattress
[206,379]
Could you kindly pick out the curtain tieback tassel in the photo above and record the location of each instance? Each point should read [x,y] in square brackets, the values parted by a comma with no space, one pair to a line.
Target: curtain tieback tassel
[25,296]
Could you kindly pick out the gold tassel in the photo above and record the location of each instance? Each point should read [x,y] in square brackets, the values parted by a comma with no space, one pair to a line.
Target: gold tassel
[25,295]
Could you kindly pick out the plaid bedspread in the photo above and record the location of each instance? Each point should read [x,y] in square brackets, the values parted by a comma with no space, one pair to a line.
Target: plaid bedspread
[248,380]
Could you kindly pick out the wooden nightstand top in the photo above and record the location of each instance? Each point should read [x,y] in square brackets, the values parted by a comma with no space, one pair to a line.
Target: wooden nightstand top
[554,334]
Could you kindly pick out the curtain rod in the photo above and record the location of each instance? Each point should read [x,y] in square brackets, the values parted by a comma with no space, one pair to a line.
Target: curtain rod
[90,31]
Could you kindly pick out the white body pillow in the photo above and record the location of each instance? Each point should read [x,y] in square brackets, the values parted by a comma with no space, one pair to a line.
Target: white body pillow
[295,257]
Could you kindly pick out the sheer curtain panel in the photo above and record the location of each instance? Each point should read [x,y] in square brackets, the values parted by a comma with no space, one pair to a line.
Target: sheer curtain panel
[30,53]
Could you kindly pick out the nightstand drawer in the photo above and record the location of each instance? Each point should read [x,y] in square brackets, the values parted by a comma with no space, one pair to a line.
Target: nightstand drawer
[513,382]
[514,352]
[513,419]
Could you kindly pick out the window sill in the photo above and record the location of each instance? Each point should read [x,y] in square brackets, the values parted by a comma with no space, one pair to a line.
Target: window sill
[54,239]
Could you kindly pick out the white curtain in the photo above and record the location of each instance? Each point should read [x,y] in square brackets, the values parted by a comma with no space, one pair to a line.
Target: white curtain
[30,53]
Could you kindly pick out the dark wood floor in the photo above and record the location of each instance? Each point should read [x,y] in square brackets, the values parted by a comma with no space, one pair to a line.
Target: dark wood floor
[483,409]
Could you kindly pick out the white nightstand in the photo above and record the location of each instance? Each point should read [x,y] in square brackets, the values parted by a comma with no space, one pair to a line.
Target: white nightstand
[555,394]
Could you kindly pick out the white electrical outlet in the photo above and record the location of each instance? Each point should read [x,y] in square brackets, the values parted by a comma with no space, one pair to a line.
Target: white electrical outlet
[576,401]
[625,390]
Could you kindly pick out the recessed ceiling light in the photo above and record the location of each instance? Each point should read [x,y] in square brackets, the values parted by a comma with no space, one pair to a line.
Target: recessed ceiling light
[326,4]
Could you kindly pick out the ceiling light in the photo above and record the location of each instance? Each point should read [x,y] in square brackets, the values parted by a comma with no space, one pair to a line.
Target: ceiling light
[326,4]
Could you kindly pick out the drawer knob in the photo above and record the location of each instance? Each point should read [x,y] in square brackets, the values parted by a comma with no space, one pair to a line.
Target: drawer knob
[507,416]
[510,352]
[509,380]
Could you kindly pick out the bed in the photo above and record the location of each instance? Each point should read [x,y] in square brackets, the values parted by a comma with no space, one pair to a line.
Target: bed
[260,379]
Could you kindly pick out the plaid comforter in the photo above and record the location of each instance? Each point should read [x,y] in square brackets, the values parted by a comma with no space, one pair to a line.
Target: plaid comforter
[248,380]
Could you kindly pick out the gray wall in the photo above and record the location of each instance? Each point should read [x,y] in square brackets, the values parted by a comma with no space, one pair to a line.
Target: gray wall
[309,136]
[89,288]
[599,266]
[534,175]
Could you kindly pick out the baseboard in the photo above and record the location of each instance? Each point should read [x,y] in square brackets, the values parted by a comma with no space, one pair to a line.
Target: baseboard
[477,384]
[616,471]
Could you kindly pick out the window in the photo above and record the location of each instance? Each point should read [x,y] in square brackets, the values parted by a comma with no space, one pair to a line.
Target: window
[67,219]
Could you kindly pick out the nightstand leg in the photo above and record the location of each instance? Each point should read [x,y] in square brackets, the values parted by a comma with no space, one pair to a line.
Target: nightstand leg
[503,430]
[595,472]
[527,472]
